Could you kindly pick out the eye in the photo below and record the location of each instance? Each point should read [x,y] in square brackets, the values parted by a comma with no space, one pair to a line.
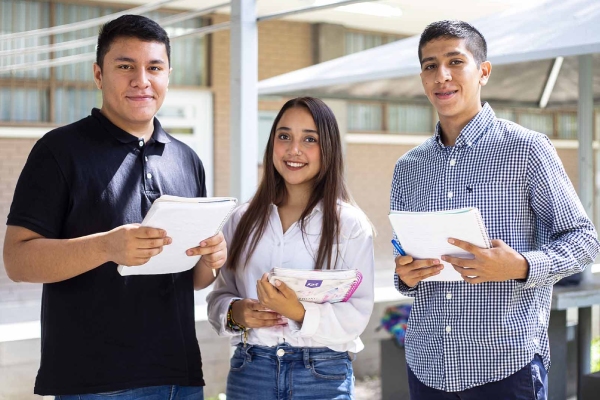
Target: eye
[283,136]
[428,67]
[124,66]
[311,139]
[155,69]
[456,62]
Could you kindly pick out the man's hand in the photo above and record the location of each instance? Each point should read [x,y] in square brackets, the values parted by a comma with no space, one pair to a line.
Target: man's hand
[280,298]
[213,251]
[252,314]
[134,244]
[411,271]
[498,264]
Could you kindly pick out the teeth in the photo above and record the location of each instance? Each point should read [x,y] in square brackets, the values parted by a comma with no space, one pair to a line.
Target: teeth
[295,165]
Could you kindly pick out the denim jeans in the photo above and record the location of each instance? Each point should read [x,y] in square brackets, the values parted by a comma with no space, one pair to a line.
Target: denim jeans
[146,393]
[528,383]
[284,372]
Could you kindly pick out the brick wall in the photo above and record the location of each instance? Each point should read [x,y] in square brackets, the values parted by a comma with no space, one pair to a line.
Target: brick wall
[13,154]
[283,46]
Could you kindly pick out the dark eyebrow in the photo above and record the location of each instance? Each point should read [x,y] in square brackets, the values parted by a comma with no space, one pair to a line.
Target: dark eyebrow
[131,60]
[449,54]
[285,128]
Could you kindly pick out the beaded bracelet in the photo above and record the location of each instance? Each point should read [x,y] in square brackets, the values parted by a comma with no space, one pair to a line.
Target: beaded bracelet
[235,326]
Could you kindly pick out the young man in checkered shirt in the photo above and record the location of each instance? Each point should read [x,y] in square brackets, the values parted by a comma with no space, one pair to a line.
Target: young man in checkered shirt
[484,337]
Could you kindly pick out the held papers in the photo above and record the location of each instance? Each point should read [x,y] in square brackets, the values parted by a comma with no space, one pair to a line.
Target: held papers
[319,286]
[187,221]
[425,235]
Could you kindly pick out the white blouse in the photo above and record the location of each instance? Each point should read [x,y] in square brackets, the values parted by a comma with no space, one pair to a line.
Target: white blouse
[336,326]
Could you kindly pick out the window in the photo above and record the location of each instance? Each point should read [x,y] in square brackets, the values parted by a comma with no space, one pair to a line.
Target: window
[66,93]
[365,117]
[410,118]
[265,123]
[356,41]
[538,122]
[504,113]
[566,126]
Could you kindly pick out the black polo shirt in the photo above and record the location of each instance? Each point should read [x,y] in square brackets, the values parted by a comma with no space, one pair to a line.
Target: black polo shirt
[101,331]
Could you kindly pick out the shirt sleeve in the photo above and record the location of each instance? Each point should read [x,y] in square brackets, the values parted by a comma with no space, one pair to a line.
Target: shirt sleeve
[573,240]
[397,204]
[225,289]
[338,323]
[41,197]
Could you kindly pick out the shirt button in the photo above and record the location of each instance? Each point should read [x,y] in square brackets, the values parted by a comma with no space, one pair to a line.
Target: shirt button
[469,143]
[141,143]
[448,296]
[452,162]
[280,352]
[149,175]
[146,158]
[448,328]
[450,194]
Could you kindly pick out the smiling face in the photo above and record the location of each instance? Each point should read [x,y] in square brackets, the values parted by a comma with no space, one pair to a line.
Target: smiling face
[133,80]
[296,149]
[452,80]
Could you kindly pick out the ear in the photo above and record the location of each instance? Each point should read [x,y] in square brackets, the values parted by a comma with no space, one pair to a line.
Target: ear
[98,76]
[486,71]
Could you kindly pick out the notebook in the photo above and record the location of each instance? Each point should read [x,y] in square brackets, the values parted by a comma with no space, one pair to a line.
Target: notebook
[187,221]
[425,235]
[319,286]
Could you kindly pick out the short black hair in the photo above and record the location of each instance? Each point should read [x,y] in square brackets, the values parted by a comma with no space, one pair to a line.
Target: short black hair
[130,26]
[447,29]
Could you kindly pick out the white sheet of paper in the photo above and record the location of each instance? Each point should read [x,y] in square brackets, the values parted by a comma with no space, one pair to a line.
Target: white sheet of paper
[187,222]
[425,235]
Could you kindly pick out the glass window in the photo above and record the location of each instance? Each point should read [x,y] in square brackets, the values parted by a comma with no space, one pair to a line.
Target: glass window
[12,20]
[23,105]
[74,90]
[265,122]
[356,41]
[410,118]
[73,104]
[567,126]
[365,117]
[543,123]
[505,113]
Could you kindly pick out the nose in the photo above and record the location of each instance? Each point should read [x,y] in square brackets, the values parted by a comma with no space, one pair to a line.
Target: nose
[442,74]
[140,79]
[294,148]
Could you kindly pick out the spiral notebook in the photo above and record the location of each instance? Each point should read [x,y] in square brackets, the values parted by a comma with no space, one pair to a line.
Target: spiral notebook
[319,286]
[425,235]
[187,221]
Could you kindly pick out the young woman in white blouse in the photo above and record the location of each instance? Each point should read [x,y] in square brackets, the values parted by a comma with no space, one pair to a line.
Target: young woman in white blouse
[301,217]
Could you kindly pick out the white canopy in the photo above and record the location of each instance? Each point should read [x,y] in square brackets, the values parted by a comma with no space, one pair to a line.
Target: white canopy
[527,39]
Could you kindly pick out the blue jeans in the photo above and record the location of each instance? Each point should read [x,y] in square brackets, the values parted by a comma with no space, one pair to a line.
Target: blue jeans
[284,372]
[147,393]
[528,383]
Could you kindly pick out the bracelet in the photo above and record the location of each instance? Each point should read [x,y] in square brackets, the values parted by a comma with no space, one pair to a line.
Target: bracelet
[231,324]
[235,326]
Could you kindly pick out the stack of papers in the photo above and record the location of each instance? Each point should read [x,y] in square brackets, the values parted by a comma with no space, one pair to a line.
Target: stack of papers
[425,235]
[319,286]
[187,221]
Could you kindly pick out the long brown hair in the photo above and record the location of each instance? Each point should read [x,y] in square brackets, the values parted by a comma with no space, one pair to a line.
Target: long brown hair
[328,186]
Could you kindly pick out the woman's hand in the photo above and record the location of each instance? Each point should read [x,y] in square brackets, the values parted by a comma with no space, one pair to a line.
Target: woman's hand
[280,298]
[251,314]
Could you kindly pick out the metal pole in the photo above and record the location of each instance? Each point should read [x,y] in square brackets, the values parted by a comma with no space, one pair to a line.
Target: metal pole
[585,123]
[244,99]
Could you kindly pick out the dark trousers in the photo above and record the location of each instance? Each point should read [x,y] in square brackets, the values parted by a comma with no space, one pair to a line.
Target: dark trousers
[529,383]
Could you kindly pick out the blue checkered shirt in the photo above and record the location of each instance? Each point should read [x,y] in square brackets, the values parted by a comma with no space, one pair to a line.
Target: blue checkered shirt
[462,335]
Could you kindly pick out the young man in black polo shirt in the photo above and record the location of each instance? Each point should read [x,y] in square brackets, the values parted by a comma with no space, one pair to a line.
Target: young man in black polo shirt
[73,219]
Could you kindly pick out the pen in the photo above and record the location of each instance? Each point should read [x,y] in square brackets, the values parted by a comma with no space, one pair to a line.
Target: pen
[397,246]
